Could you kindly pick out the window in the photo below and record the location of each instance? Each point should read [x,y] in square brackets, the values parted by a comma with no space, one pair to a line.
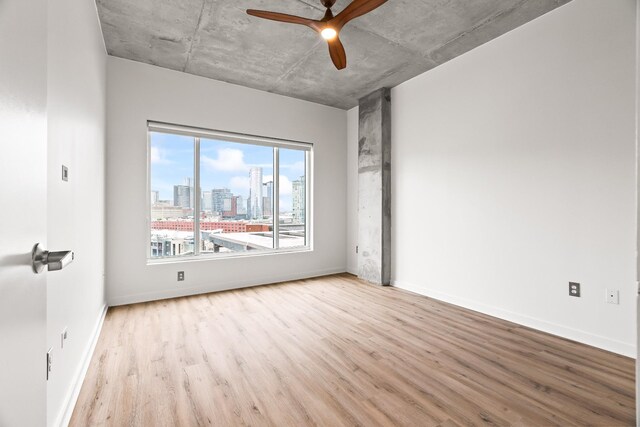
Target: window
[215,193]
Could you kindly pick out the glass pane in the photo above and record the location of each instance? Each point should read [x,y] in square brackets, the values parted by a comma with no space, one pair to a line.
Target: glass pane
[293,202]
[236,182]
[172,195]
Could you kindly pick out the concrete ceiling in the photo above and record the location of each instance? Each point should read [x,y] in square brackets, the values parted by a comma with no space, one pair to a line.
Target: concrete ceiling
[218,40]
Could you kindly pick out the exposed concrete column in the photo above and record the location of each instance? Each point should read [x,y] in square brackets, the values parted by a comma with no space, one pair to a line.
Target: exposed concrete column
[374,188]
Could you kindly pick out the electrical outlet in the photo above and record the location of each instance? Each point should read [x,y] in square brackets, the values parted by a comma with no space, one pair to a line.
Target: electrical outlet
[63,337]
[180,276]
[613,296]
[574,289]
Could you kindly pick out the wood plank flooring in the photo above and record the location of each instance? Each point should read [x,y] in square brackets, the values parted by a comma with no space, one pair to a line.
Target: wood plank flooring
[334,351]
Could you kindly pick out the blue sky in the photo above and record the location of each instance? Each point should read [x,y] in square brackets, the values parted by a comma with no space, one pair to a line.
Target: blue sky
[223,165]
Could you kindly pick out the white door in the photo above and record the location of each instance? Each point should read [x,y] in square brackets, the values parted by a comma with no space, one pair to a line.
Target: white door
[638,214]
[23,202]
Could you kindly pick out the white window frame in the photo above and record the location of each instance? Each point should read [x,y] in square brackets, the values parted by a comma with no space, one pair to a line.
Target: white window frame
[276,144]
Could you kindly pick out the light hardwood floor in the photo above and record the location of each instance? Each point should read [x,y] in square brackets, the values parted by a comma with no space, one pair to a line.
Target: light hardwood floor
[333,351]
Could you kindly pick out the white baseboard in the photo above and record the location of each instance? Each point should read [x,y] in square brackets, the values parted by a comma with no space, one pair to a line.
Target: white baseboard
[74,392]
[604,343]
[205,289]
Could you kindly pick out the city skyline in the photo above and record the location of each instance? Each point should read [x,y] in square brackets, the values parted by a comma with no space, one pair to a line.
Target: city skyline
[224,165]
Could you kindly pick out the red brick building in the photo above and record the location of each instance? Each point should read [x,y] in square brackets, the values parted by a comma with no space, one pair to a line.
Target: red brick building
[225,226]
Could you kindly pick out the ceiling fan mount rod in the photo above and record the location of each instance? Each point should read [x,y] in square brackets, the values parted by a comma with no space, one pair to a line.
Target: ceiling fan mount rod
[328,3]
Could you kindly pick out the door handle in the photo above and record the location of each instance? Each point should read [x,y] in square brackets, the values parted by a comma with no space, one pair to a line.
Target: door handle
[52,260]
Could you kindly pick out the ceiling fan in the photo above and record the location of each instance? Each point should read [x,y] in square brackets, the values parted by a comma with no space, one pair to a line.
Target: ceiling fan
[329,26]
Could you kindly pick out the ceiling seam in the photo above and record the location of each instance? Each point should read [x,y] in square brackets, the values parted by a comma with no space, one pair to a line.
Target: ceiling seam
[486,21]
[392,42]
[310,5]
[295,65]
[193,36]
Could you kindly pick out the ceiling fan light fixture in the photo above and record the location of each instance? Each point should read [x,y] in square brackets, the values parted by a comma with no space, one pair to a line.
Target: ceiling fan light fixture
[328,33]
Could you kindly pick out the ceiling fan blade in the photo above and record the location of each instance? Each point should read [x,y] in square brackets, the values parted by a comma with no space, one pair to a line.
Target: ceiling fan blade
[338,55]
[355,9]
[283,17]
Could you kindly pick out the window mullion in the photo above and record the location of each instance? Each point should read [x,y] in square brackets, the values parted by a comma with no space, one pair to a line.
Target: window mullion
[307,197]
[196,196]
[276,197]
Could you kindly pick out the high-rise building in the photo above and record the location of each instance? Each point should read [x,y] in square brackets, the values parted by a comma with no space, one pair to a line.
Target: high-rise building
[189,183]
[218,197]
[182,196]
[207,201]
[242,206]
[231,207]
[155,196]
[267,198]
[298,202]
[255,193]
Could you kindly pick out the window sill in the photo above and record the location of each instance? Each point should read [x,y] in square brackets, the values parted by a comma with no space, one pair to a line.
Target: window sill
[226,256]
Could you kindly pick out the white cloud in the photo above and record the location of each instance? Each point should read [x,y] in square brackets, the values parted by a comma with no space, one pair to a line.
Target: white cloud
[286,188]
[239,184]
[297,167]
[158,156]
[228,160]
[285,205]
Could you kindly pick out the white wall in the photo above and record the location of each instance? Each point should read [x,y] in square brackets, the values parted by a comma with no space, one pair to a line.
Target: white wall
[139,92]
[514,173]
[352,190]
[76,127]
